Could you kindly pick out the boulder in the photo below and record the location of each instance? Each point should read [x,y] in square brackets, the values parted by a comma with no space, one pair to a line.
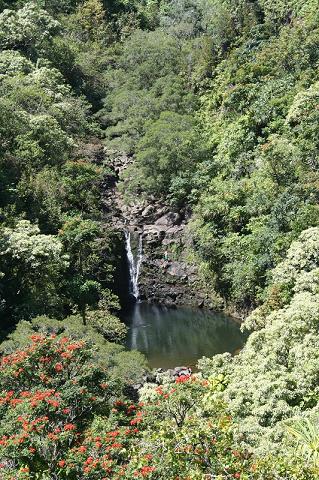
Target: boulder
[168,241]
[181,371]
[154,233]
[177,269]
[174,230]
[169,220]
[147,211]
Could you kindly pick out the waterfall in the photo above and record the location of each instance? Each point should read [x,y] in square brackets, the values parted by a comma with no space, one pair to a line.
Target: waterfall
[134,263]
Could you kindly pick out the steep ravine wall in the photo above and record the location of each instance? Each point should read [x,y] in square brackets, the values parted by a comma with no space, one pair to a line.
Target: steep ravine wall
[166,275]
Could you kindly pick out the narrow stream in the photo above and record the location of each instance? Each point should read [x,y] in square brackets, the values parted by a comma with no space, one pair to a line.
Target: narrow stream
[175,337]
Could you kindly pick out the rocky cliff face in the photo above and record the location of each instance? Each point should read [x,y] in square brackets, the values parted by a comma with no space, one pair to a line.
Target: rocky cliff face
[166,276]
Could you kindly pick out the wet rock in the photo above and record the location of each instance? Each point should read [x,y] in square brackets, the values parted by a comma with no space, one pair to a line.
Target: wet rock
[170,301]
[170,375]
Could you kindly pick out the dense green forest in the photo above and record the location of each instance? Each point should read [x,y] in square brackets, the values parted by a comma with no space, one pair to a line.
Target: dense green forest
[216,103]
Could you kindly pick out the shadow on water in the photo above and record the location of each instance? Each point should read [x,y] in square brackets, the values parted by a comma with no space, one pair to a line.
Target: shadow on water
[172,337]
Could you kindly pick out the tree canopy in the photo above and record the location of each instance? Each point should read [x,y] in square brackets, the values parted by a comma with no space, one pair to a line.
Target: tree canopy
[215,105]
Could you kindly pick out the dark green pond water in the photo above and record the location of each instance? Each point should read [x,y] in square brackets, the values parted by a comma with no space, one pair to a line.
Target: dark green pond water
[175,337]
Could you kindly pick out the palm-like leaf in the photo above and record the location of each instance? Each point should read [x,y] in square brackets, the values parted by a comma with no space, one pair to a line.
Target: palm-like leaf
[307,435]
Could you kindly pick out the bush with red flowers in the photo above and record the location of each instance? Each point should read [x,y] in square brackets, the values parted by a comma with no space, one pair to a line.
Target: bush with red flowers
[60,418]
[189,434]
[49,393]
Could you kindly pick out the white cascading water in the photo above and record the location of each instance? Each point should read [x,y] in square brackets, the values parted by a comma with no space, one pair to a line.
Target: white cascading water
[134,264]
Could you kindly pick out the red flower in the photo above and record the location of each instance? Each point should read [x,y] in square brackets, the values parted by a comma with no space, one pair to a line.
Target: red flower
[145,471]
[61,463]
[58,367]
[36,338]
[135,421]
[66,355]
[25,394]
[69,427]
[45,359]
[116,445]
[74,346]
[182,378]
[237,475]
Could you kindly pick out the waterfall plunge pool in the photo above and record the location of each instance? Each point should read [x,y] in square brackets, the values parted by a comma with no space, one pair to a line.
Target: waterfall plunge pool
[171,337]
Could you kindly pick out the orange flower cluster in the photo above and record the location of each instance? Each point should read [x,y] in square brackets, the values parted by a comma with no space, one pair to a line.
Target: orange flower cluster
[47,421]
[144,471]
[182,378]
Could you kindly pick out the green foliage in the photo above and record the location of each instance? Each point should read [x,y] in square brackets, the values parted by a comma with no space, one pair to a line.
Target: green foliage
[13,63]
[89,20]
[55,392]
[189,432]
[81,182]
[274,377]
[89,246]
[103,330]
[32,265]
[216,101]
[258,116]
[42,178]
[29,28]
[300,458]
[307,436]
[107,325]
[137,95]
[166,156]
